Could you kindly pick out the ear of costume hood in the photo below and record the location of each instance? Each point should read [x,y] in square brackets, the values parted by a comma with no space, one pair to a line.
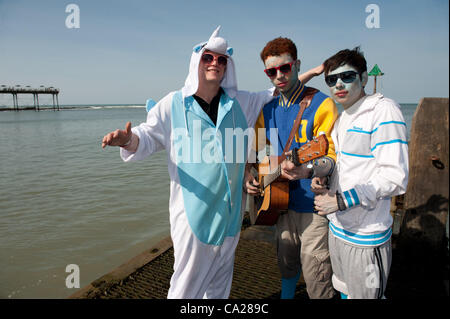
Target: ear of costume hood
[219,45]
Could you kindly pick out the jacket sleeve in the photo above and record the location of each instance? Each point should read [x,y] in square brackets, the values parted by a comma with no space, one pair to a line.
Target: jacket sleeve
[389,146]
[324,119]
[260,140]
[154,134]
[253,102]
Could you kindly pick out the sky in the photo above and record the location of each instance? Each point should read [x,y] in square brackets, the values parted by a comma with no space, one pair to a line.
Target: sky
[125,52]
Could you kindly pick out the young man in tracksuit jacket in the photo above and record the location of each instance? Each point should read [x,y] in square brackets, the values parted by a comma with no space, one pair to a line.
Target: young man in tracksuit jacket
[372,166]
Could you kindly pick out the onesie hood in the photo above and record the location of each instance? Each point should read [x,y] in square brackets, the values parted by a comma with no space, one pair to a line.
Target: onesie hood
[219,45]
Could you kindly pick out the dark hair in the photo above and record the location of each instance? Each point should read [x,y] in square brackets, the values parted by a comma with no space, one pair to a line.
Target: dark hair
[354,57]
[278,46]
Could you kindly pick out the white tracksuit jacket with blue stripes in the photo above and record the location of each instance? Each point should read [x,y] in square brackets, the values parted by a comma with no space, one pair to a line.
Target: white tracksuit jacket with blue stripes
[372,167]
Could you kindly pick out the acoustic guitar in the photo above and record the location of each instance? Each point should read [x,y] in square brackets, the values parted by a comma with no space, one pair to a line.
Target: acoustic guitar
[274,189]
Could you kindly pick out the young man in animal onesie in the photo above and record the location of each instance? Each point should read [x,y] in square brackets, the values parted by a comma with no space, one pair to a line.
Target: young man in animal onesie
[372,167]
[193,125]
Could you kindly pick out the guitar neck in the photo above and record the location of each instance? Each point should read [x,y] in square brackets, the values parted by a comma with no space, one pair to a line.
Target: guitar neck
[313,149]
[302,158]
[271,177]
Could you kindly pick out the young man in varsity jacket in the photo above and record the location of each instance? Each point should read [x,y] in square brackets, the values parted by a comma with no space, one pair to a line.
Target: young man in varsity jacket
[302,235]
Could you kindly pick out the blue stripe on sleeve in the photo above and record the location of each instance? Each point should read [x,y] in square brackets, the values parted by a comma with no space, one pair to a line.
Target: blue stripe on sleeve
[389,142]
[393,122]
[357,155]
[355,196]
[349,199]
[389,122]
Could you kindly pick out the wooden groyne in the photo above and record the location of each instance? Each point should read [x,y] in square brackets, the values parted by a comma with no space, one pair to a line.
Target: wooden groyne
[16,90]
[420,266]
[420,263]
[426,199]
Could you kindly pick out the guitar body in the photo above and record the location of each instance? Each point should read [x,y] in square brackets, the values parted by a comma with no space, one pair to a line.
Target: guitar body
[274,197]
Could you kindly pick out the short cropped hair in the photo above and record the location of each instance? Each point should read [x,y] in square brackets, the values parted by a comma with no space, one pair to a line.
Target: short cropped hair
[277,47]
[354,57]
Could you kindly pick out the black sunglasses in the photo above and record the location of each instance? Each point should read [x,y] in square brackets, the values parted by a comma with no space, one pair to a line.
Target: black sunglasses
[346,77]
[209,58]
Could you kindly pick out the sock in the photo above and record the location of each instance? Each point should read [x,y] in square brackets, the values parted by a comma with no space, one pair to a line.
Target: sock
[288,286]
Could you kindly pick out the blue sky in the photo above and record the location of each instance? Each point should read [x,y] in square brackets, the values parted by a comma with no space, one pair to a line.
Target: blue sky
[128,51]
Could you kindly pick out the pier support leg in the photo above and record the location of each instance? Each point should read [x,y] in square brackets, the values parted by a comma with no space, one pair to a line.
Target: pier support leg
[16,102]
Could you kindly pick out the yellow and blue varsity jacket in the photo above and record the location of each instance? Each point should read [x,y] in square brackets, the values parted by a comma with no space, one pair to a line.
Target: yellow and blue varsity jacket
[318,117]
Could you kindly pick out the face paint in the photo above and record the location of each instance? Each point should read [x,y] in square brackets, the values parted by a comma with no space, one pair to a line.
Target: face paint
[284,82]
[347,94]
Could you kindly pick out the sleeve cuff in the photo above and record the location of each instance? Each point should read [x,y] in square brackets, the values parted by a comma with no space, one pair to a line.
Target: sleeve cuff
[128,156]
[351,198]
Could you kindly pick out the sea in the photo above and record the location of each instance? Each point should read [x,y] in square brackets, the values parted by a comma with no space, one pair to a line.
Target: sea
[66,203]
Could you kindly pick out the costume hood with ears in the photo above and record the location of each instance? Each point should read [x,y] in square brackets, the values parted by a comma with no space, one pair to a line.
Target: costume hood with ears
[218,45]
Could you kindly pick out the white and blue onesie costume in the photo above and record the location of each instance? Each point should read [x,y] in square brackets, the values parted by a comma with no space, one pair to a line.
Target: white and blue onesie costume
[206,198]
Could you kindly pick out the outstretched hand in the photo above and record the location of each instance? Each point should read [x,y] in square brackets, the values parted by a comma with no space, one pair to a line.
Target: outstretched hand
[118,137]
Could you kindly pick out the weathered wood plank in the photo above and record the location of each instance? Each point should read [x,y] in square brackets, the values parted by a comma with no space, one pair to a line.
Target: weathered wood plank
[426,198]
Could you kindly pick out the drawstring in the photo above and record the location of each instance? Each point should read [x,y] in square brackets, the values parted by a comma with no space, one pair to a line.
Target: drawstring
[234,123]
[185,119]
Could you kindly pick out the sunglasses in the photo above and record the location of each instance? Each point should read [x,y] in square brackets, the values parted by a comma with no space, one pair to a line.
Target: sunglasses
[285,69]
[209,58]
[346,77]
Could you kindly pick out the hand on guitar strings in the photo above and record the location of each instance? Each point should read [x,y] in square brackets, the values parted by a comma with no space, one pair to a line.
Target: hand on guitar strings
[325,203]
[251,184]
[291,172]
